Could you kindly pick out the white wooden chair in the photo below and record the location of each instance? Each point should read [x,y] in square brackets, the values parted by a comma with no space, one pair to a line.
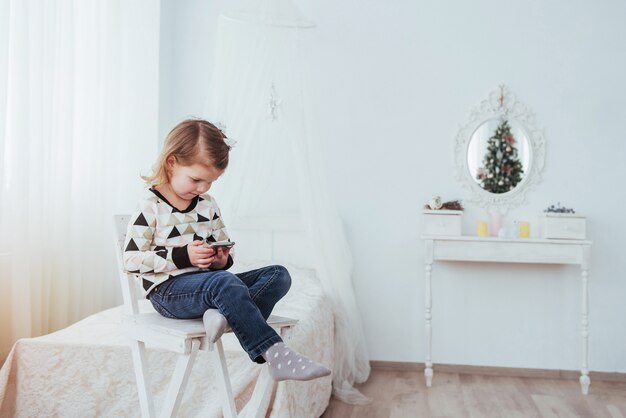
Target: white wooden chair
[184,337]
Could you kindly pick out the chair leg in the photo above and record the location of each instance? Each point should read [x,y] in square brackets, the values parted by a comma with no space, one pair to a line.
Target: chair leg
[180,377]
[228,402]
[140,364]
[260,400]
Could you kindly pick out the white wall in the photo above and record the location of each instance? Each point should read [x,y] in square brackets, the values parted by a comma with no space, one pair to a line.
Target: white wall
[408,73]
[187,45]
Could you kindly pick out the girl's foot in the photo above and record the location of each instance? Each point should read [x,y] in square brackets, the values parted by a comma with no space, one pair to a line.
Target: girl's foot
[214,324]
[285,364]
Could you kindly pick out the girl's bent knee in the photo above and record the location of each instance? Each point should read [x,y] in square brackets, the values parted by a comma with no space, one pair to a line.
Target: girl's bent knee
[283,278]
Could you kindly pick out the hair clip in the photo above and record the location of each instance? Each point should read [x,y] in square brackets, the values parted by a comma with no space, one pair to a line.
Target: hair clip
[222,128]
[230,142]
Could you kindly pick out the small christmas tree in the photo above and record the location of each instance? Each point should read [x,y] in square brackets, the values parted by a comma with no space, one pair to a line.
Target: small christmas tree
[502,170]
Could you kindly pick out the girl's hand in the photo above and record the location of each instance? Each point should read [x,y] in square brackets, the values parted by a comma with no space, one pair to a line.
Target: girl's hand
[221,258]
[200,256]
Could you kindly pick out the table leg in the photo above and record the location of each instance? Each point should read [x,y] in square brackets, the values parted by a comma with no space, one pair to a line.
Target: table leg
[584,378]
[428,371]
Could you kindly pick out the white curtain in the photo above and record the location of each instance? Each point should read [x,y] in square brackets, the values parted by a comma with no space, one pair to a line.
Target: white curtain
[276,179]
[78,123]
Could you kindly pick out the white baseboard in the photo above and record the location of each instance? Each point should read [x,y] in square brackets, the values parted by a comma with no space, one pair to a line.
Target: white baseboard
[497,371]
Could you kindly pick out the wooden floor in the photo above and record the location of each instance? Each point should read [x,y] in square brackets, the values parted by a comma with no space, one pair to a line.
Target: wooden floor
[403,394]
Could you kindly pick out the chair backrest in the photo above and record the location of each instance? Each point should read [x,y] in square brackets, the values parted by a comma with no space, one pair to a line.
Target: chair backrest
[130,291]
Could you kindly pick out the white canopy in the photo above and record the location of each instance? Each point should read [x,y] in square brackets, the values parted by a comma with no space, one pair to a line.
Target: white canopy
[276,180]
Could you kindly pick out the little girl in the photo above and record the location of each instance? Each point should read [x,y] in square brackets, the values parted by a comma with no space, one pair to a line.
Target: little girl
[181,277]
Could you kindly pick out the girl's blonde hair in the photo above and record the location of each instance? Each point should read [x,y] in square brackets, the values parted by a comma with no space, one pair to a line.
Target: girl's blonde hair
[191,141]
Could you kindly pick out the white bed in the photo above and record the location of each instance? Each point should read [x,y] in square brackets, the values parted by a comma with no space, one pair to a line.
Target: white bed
[85,370]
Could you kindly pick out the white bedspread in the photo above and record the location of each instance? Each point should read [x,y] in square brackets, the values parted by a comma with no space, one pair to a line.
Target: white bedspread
[85,370]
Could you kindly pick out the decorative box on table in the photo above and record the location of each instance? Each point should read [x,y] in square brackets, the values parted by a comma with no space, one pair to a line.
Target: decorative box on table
[441,222]
[563,226]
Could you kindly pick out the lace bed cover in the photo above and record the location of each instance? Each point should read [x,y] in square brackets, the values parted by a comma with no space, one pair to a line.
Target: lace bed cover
[85,370]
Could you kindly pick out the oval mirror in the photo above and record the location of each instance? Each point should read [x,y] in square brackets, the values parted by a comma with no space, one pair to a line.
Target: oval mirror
[499,152]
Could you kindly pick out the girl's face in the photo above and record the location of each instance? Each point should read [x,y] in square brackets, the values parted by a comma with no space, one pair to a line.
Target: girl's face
[189,181]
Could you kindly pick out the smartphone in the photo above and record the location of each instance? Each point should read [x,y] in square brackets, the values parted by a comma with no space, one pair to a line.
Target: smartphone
[218,244]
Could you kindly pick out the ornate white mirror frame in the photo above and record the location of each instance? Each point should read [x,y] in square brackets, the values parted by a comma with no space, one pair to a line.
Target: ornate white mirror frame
[501,104]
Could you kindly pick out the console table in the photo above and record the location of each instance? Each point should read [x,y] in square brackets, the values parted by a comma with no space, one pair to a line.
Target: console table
[497,250]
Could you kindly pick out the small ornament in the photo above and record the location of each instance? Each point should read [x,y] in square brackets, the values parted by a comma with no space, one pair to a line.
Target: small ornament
[524,229]
[272,106]
[558,209]
[495,223]
[435,203]
[510,139]
[481,229]
[503,232]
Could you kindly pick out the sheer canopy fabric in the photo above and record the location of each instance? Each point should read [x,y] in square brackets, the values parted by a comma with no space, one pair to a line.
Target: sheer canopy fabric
[276,179]
[78,112]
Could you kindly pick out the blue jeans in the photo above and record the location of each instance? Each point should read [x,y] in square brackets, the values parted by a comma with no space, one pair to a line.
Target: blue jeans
[245,299]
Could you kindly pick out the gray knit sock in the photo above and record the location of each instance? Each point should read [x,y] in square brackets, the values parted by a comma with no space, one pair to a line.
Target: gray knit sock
[285,364]
[214,323]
